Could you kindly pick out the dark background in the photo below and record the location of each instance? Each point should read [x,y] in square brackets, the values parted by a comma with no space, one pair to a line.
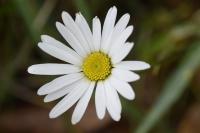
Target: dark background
[166,35]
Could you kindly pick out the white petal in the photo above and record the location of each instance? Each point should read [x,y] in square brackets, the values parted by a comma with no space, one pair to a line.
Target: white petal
[53,69]
[71,39]
[57,94]
[82,104]
[113,96]
[58,53]
[121,25]
[70,99]
[125,75]
[75,30]
[100,100]
[85,29]
[106,44]
[121,53]
[122,87]
[119,28]
[73,57]
[108,28]
[58,83]
[133,65]
[61,92]
[120,40]
[113,103]
[96,26]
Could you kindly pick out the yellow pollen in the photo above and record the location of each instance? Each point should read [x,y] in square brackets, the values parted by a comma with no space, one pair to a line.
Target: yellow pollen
[97,66]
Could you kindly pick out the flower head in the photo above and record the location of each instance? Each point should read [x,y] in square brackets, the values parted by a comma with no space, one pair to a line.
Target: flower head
[94,61]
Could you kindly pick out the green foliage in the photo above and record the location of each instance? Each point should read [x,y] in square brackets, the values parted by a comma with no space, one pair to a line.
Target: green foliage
[173,88]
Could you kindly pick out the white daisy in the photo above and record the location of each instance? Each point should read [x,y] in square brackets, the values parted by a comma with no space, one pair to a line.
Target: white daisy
[94,61]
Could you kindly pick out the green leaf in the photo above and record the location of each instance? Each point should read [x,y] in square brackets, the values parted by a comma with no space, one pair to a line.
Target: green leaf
[173,88]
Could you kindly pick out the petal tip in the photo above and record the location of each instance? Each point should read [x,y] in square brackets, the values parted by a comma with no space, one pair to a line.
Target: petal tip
[131,28]
[74,122]
[64,13]
[114,7]
[131,97]
[52,115]
[57,24]
[39,45]
[29,70]
[40,92]
[100,117]
[43,37]
[117,118]
[46,100]
[137,77]
[127,15]
[148,66]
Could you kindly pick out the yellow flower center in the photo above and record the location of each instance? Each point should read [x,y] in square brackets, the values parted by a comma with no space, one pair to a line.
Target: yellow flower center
[97,66]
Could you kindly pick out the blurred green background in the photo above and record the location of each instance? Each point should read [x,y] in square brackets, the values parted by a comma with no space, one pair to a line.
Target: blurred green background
[166,35]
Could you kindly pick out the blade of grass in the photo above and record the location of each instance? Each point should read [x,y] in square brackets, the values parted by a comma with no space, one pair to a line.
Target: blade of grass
[133,113]
[34,28]
[173,88]
[84,8]
[37,25]
[166,41]
[27,15]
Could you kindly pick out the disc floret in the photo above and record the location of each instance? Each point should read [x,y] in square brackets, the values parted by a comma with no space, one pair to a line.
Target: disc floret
[97,66]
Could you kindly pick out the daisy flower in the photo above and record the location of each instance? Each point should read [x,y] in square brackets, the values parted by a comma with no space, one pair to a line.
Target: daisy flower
[94,61]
